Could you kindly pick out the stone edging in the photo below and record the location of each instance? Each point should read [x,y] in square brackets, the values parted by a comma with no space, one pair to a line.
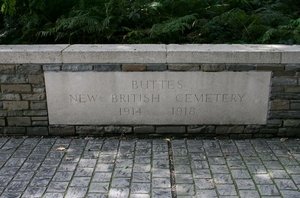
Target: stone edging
[150,53]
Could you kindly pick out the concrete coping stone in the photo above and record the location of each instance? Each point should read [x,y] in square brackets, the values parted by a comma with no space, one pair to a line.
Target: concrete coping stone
[150,54]
[40,54]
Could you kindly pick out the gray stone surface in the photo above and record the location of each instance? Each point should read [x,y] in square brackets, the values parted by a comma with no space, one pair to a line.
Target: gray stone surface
[171,98]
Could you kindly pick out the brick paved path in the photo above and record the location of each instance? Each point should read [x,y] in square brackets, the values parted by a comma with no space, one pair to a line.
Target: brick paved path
[149,168]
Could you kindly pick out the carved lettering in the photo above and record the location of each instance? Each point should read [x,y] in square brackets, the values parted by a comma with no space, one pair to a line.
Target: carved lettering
[135,98]
[156,84]
[209,98]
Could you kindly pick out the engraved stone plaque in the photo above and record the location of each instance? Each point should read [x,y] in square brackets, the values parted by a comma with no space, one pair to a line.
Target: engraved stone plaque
[157,98]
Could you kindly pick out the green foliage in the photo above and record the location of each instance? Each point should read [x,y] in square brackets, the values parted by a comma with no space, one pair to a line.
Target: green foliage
[149,21]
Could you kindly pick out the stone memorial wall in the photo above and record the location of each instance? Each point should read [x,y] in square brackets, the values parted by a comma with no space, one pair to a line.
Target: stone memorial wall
[217,91]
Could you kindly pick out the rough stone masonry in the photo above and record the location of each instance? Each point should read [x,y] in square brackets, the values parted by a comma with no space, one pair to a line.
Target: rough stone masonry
[24,105]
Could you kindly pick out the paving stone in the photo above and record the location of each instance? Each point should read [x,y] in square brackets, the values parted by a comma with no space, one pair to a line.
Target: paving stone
[226,190]
[219,169]
[240,174]
[123,172]
[185,189]
[34,192]
[11,195]
[120,183]
[76,192]
[269,190]
[296,179]
[278,174]
[4,180]
[222,179]
[139,195]
[84,172]
[285,184]
[245,184]
[144,168]
[80,181]
[290,194]
[102,177]
[17,186]
[99,187]
[118,192]
[57,187]
[63,176]
[53,195]
[182,169]
[249,193]
[161,192]
[262,179]
[183,178]
[161,183]
[206,194]
[23,176]
[201,173]
[204,184]
[160,173]
[40,181]
[140,188]
[104,167]
[199,164]
[141,177]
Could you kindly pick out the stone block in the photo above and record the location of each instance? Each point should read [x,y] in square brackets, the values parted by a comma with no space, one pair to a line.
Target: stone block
[240,67]
[280,105]
[270,67]
[268,131]
[3,113]
[2,122]
[38,54]
[284,115]
[133,67]
[35,96]
[292,67]
[290,96]
[90,130]
[292,89]
[38,105]
[15,105]
[276,89]
[184,67]
[229,129]
[115,53]
[15,130]
[62,130]
[274,123]
[12,79]
[7,69]
[144,129]
[284,81]
[213,67]
[157,67]
[9,97]
[29,69]
[18,121]
[39,118]
[252,129]
[291,123]
[14,113]
[201,129]
[36,79]
[35,113]
[37,131]
[289,132]
[223,53]
[170,129]
[39,123]
[107,67]
[118,129]
[295,106]
[38,90]
[282,73]
[157,98]
[16,88]
[52,67]
[77,67]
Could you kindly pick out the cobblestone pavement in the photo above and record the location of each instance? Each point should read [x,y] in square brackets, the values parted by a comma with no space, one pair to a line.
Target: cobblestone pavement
[141,168]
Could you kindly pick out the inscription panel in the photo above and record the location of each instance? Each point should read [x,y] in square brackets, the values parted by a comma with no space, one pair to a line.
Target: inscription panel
[157,98]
